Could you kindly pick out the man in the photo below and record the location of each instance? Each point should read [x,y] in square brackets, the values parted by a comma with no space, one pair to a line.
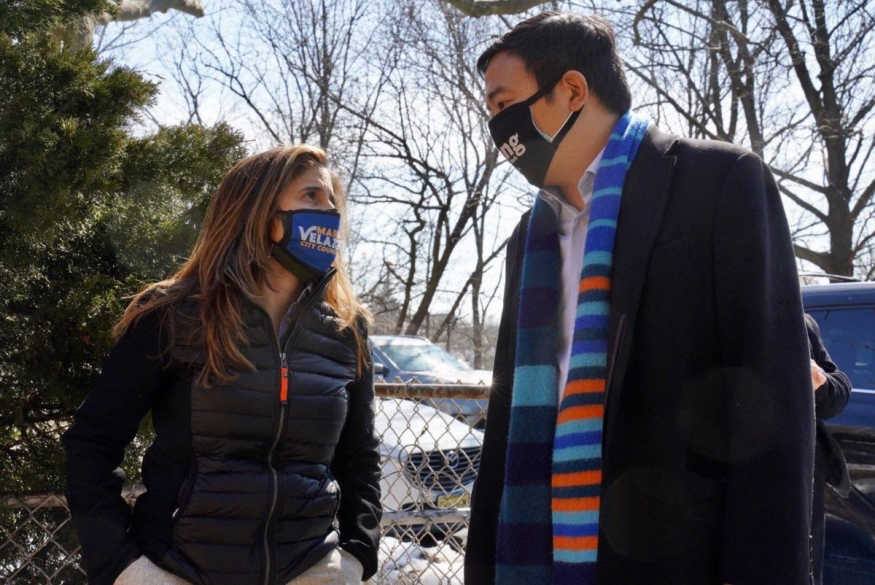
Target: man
[832,389]
[651,416]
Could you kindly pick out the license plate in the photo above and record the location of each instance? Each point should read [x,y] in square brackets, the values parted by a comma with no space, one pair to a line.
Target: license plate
[454,501]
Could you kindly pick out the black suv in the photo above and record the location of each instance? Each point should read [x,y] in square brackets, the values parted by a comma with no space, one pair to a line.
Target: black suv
[846,315]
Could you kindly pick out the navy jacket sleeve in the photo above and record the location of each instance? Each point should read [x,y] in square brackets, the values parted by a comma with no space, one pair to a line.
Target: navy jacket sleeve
[766,384]
[356,466]
[103,426]
[832,397]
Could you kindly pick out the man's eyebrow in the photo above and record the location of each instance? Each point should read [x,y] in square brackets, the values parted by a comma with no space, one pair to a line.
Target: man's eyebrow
[491,95]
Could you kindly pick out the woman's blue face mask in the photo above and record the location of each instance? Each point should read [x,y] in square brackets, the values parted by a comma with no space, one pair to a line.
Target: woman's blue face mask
[309,243]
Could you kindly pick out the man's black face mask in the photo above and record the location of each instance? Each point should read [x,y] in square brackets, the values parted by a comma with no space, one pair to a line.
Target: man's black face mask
[522,143]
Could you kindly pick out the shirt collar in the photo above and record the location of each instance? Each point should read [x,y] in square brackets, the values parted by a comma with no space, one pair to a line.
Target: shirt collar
[594,165]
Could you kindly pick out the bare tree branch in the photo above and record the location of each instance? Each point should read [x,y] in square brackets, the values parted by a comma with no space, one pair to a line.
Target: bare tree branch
[819,258]
[492,7]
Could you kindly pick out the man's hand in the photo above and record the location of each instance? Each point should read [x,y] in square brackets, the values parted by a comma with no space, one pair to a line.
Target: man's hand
[818,376]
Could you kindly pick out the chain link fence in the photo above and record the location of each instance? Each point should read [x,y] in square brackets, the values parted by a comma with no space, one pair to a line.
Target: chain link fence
[430,441]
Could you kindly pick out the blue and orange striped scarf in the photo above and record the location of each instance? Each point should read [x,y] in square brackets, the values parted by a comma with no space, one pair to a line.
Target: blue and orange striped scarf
[549,516]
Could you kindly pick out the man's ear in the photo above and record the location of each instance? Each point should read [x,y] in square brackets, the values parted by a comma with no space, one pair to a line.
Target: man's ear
[577,87]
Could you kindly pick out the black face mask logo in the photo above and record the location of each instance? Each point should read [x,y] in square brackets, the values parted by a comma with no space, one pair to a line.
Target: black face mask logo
[522,143]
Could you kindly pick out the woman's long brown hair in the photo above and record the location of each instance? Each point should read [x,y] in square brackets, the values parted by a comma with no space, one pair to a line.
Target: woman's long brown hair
[230,259]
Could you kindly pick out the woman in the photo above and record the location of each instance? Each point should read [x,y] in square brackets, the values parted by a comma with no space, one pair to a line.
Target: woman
[253,361]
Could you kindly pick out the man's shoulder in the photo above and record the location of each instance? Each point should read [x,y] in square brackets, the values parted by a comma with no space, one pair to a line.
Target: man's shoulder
[516,241]
[522,223]
[703,165]
[519,231]
[698,153]
[699,150]
[811,325]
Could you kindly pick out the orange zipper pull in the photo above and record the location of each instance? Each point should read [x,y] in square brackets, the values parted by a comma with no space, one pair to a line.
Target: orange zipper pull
[284,386]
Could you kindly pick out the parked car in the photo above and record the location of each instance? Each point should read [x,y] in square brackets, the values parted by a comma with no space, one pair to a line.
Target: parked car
[429,459]
[845,313]
[408,357]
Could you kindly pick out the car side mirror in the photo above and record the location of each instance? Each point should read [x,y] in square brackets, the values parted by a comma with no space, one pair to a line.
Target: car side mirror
[380,369]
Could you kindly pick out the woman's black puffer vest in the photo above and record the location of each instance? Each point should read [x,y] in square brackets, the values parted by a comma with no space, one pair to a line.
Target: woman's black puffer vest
[244,480]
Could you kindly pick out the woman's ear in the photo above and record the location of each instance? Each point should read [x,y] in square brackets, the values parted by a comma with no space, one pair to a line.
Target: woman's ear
[578,89]
[276,230]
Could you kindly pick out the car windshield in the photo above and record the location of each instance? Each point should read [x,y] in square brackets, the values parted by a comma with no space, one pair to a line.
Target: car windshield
[849,336]
[422,357]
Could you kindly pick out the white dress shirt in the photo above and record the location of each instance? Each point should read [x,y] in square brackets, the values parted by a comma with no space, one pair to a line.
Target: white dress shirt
[571,224]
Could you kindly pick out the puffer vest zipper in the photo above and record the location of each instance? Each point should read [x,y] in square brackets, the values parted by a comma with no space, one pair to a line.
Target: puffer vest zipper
[260,508]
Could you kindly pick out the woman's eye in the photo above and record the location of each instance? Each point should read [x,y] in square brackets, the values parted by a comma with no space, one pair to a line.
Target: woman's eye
[500,105]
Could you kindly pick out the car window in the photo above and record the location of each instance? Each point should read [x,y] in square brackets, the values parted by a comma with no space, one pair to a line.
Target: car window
[378,359]
[849,337]
[422,358]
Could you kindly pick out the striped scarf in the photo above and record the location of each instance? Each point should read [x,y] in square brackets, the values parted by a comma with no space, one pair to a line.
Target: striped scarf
[532,549]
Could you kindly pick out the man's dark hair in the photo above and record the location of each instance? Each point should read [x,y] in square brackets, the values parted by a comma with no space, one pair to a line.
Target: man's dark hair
[552,43]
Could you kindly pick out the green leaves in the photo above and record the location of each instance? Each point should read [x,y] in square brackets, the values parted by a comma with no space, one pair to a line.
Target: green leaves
[62,130]
[20,17]
[88,215]
[168,179]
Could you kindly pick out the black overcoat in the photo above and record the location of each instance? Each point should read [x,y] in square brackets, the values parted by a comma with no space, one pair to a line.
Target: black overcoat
[709,423]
